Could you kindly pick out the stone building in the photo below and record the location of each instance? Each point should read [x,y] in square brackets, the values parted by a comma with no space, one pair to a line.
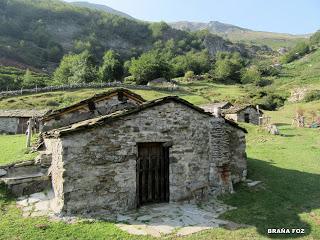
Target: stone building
[98,105]
[16,121]
[165,150]
[212,106]
[247,113]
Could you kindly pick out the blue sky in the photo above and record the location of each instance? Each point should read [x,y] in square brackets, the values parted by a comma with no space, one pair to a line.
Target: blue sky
[290,16]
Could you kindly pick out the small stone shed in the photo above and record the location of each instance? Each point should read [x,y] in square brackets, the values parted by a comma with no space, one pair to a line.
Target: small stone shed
[212,106]
[247,113]
[98,105]
[16,121]
[165,150]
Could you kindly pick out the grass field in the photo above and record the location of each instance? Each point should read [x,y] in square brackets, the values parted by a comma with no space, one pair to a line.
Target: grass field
[12,148]
[288,165]
[199,92]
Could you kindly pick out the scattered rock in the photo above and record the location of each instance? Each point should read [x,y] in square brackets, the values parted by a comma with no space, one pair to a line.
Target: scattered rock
[273,129]
[3,172]
[253,184]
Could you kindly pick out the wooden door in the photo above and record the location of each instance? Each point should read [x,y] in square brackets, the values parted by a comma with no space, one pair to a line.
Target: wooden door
[152,173]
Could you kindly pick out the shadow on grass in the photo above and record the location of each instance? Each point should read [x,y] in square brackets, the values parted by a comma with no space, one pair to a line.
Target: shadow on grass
[278,202]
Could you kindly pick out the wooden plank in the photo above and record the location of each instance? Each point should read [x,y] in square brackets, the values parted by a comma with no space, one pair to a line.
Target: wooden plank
[156,175]
[166,175]
[150,160]
[138,194]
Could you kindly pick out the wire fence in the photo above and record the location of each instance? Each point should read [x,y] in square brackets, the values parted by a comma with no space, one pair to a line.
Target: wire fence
[22,91]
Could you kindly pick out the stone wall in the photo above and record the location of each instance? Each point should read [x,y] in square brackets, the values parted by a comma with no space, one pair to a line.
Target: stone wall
[9,125]
[103,107]
[238,156]
[94,171]
[240,116]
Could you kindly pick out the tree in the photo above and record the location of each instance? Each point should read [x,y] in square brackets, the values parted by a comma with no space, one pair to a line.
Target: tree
[298,51]
[76,68]
[315,38]
[111,68]
[149,66]
[197,62]
[228,66]
[250,75]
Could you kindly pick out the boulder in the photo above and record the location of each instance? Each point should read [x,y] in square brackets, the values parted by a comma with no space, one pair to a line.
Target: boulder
[3,172]
[273,129]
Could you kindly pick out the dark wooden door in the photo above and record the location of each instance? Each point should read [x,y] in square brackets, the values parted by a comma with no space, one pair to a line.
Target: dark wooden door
[247,117]
[152,173]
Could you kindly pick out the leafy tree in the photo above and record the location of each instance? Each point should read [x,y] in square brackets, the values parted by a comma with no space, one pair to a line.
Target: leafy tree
[76,68]
[111,68]
[198,62]
[298,51]
[250,75]
[149,66]
[228,66]
[315,38]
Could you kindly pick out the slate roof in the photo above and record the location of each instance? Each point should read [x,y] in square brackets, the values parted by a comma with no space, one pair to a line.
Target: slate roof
[91,123]
[239,108]
[211,106]
[22,113]
[95,98]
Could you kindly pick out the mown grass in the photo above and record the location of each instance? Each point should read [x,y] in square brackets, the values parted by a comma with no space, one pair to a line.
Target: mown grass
[12,148]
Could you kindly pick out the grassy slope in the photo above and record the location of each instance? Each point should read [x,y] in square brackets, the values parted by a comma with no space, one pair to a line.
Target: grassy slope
[303,72]
[200,92]
[13,149]
[288,165]
[273,40]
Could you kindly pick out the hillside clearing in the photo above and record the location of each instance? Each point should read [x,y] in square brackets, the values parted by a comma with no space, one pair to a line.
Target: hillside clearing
[199,92]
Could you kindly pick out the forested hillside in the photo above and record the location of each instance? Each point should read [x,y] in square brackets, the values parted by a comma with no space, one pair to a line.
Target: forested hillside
[39,32]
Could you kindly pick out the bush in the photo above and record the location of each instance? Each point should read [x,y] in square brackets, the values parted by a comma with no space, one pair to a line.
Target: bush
[228,66]
[298,51]
[312,96]
[130,80]
[250,75]
[111,68]
[315,38]
[149,66]
[263,82]
[189,75]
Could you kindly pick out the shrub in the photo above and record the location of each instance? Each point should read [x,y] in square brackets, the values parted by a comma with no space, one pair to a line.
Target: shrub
[312,96]
[250,75]
[149,66]
[130,80]
[189,75]
[298,51]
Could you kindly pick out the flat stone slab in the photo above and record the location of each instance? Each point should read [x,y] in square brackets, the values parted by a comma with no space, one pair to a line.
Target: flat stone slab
[180,219]
[37,204]
[157,220]
[254,183]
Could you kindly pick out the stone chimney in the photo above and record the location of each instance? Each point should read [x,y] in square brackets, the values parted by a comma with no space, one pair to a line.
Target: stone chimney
[217,112]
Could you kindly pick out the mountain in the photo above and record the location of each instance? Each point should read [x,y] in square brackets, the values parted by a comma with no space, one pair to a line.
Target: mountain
[213,26]
[38,33]
[239,34]
[103,8]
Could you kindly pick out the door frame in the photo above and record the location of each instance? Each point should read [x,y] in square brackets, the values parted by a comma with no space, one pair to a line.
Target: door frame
[165,146]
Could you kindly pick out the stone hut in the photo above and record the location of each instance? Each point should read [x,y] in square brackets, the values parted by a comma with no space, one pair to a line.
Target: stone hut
[212,106]
[247,113]
[165,150]
[98,105]
[16,121]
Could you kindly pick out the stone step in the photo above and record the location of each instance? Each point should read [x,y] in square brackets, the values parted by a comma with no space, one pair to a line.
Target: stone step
[27,184]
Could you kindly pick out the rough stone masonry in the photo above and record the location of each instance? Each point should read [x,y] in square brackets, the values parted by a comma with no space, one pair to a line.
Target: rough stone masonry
[94,162]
